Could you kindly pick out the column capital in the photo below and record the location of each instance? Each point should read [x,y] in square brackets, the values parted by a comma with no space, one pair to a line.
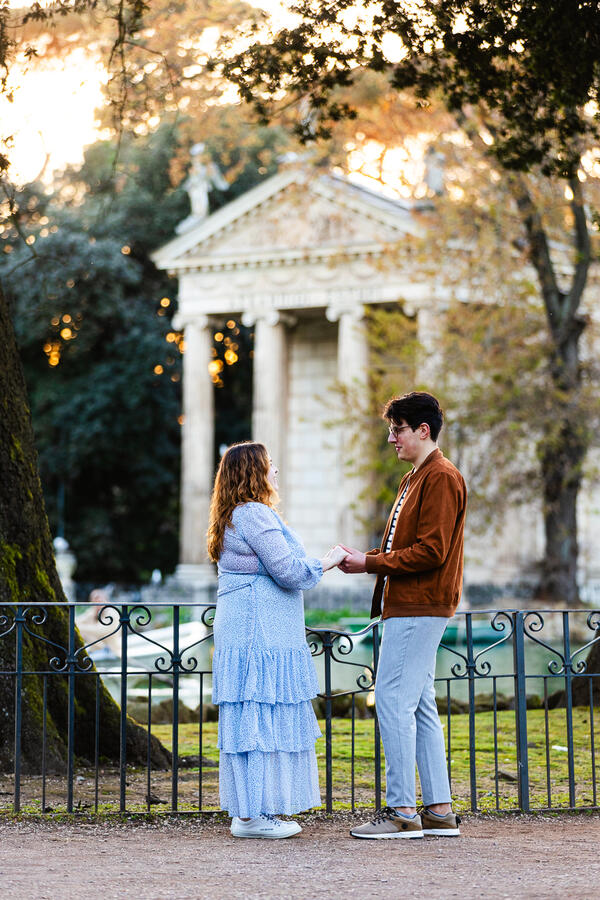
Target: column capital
[181,322]
[335,312]
[271,317]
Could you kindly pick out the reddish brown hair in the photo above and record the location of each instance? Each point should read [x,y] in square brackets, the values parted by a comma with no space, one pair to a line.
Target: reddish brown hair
[242,477]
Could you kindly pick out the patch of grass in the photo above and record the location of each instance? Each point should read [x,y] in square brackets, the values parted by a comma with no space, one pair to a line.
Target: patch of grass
[495,758]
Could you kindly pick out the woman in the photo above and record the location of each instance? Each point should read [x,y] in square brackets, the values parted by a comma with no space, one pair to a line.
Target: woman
[263,674]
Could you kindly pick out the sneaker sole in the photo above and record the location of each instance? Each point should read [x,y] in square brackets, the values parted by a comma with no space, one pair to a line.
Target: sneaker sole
[443,832]
[266,837]
[411,835]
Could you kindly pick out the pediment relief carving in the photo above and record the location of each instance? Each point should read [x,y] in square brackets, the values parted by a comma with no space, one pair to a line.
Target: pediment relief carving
[295,218]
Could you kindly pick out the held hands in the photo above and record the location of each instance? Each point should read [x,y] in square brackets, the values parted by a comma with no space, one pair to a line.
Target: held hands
[333,557]
[353,562]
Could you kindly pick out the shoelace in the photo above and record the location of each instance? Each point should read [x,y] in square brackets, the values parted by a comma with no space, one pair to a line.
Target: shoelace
[382,814]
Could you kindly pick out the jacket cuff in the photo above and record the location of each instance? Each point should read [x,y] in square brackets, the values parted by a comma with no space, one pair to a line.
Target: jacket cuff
[371,563]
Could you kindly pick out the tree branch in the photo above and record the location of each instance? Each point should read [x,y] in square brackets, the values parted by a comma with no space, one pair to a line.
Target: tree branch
[582,247]
[539,250]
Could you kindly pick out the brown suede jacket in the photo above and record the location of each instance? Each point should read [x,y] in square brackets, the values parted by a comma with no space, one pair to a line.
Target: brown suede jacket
[424,568]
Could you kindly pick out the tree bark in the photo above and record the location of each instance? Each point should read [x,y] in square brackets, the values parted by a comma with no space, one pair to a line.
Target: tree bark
[562,453]
[581,686]
[561,476]
[28,576]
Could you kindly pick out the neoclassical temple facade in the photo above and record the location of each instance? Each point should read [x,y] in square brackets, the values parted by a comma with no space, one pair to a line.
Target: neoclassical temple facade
[299,258]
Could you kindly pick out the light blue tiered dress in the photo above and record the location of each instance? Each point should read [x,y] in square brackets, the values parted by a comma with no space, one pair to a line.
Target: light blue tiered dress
[263,674]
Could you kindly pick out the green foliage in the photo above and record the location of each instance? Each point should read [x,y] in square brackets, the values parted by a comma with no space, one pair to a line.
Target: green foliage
[532,66]
[87,313]
[103,364]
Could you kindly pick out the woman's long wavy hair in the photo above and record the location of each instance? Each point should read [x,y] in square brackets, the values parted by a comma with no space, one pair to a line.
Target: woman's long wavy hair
[241,478]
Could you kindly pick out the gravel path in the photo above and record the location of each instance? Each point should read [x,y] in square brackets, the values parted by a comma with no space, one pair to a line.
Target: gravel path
[512,857]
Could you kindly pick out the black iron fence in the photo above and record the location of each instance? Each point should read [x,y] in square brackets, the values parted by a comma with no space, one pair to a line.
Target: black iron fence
[518,695]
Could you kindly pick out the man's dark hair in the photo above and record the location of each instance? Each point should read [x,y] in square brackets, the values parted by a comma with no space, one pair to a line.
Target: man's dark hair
[416,408]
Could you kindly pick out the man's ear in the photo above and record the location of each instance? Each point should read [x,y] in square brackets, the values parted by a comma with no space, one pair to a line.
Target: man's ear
[425,431]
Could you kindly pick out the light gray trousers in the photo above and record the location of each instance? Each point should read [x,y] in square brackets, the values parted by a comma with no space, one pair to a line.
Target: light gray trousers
[408,718]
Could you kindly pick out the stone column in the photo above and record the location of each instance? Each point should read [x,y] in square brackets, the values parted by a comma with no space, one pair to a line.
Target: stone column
[197,462]
[353,349]
[429,335]
[352,370]
[269,402]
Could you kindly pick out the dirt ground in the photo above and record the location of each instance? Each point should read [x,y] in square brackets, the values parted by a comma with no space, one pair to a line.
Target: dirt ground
[196,858]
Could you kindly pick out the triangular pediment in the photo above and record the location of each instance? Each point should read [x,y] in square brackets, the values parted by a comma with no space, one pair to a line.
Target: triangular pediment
[291,212]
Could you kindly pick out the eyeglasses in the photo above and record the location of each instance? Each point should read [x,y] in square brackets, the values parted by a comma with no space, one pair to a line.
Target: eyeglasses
[396,429]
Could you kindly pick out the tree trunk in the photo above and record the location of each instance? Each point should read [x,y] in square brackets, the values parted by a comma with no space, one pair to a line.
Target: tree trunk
[28,576]
[562,453]
[581,686]
[561,475]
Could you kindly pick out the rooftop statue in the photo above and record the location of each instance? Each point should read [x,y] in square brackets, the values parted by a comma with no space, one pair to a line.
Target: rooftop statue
[203,177]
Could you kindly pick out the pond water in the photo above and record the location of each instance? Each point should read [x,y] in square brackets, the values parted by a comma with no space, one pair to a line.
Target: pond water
[453,655]
[348,667]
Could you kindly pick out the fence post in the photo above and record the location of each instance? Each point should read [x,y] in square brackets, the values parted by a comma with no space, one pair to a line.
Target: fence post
[175,725]
[376,735]
[472,727]
[521,710]
[19,620]
[71,709]
[569,705]
[124,620]
[327,639]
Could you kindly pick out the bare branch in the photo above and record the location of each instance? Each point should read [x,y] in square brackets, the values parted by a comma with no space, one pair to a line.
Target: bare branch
[539,250]
[582,246]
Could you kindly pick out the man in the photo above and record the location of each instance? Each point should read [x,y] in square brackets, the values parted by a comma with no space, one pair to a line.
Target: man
[419,579]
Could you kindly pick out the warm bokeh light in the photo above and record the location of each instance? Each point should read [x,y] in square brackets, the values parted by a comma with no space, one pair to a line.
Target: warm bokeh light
[53,115]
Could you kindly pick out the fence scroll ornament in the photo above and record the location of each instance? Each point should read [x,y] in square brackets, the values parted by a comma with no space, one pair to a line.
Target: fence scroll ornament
[327,641]
[468,665]
[562,639]
[565,663]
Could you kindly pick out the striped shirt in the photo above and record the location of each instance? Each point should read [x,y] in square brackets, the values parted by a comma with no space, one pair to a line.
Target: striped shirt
[390,538]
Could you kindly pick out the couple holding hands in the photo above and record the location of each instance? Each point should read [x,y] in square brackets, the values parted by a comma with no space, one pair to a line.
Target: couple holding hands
[263,674]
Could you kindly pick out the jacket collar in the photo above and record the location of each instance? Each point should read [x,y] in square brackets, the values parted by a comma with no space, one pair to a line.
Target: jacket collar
[435,454]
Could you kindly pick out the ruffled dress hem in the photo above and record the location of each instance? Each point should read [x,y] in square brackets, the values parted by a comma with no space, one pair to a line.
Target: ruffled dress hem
[254,783]
[263,676]
[270,728]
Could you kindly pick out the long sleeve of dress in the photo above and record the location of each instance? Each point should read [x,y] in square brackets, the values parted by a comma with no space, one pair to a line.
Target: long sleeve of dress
[261,529]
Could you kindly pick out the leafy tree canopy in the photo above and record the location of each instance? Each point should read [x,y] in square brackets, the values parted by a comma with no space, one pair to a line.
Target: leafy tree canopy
[92,319]
[514,60]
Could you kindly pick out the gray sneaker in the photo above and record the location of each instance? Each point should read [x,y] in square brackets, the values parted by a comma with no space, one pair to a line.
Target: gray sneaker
[442,826]
[389,824]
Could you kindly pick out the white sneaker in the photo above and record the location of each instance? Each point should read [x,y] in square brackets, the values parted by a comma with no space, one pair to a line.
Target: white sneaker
[263,826]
